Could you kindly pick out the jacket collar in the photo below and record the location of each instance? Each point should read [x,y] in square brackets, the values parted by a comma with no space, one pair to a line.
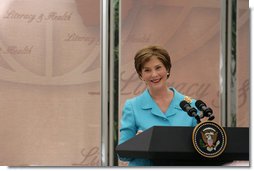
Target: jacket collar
[147,100]
[149,103]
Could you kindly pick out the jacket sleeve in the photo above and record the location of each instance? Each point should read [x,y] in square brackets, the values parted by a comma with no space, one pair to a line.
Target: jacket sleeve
[128,125]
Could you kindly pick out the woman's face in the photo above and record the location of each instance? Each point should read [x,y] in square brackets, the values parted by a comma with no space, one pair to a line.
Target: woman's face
[154,73]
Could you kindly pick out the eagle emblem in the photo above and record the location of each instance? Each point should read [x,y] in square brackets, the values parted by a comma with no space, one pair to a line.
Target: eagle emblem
[209,137]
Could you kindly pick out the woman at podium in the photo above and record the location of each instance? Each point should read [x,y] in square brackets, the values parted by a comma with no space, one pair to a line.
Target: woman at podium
[158,105]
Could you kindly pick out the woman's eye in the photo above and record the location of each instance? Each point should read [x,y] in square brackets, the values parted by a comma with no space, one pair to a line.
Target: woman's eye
[146,69]
[159,67]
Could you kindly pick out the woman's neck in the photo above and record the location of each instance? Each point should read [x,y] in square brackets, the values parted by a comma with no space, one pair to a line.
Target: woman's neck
[160,94]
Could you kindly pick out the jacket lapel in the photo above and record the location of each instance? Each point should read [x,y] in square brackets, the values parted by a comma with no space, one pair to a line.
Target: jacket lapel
[149,104]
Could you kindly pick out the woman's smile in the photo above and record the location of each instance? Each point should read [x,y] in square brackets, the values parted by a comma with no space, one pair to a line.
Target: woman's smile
[156,80]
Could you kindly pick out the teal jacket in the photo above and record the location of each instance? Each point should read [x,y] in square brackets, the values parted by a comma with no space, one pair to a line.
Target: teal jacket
[141,113]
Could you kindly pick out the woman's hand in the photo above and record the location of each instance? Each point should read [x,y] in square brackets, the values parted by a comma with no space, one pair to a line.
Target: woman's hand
[139,131]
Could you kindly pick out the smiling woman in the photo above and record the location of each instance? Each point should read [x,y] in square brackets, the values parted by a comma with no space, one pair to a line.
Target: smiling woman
[158,105]
[153,65]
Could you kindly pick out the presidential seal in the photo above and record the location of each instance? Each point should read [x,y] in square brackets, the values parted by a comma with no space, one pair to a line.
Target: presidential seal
[209,139]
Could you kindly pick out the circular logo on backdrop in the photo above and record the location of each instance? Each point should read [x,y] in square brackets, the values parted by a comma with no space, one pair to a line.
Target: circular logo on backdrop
[209,139]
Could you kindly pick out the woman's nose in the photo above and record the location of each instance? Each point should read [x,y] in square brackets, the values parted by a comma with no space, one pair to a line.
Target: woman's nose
[154,73]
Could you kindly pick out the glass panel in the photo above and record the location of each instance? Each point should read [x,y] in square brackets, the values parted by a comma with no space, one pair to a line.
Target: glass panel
[50,82]
[189,30]
[243,67]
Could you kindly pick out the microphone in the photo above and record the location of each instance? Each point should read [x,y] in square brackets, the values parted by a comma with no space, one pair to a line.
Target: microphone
[207,111]
[192,112]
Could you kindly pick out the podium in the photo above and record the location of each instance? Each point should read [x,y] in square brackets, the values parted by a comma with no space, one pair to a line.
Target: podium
[172,146]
